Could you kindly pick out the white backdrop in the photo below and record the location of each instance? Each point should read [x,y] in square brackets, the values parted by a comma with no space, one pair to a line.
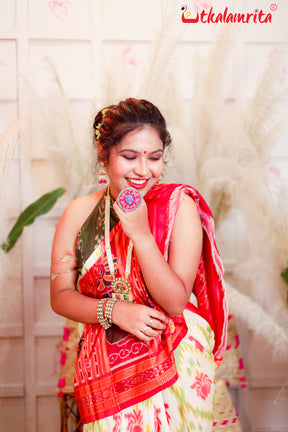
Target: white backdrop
[101,53]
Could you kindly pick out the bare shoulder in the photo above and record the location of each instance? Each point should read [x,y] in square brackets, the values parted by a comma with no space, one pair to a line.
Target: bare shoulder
[77,212]
[187,224]
[188,211]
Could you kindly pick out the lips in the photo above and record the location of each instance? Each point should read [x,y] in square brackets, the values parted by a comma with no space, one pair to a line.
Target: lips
[137,183]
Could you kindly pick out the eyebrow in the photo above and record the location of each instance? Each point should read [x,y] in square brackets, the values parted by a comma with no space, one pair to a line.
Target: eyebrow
[138,152]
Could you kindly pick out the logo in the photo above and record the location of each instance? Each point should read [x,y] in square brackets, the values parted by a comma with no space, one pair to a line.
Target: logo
[207,17]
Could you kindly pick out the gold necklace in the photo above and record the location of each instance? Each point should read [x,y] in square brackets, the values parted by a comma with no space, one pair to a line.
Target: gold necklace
[120,286]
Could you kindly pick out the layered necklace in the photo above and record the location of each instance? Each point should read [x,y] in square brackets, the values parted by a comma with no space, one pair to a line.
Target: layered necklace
[121,289]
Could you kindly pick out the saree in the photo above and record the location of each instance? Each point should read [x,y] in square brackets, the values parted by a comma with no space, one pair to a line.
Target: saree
[121,380]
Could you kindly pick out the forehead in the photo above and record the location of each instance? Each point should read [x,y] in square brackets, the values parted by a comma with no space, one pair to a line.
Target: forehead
[143,138]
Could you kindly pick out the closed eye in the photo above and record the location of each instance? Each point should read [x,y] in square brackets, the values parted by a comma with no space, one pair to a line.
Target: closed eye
[129,157]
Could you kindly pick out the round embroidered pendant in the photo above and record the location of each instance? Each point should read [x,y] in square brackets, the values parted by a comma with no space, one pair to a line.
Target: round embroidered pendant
[121,290]
[129,199]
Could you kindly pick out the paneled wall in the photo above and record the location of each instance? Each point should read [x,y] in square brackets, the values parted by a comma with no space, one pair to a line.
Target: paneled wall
[97,45]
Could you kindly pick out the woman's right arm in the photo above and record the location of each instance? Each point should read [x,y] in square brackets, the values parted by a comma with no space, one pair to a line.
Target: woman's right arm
[64,298]
[72,304]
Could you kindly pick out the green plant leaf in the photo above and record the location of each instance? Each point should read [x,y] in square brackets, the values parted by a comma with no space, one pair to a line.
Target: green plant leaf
[40,207]
[284,275]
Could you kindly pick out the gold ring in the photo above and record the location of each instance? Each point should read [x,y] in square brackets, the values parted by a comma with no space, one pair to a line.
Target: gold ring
[151,321]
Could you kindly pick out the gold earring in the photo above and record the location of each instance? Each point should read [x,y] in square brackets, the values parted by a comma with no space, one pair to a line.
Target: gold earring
[102,174]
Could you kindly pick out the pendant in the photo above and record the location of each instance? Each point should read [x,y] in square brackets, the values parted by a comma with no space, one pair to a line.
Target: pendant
[121,289]
[129,199]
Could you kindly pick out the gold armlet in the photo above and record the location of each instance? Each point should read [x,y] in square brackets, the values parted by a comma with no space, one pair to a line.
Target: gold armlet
[64,259]
[55,274]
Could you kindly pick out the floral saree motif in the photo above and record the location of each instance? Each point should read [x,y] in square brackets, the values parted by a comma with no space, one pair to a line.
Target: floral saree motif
[116,370]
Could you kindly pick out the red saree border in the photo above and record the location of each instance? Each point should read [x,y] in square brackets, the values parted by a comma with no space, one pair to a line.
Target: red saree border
[135,386]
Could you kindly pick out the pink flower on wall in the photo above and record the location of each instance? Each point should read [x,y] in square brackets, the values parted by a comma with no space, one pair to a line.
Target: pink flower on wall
[200,5]
[283,67]
[275,180]
[202,385]
[60,8]
[129,56]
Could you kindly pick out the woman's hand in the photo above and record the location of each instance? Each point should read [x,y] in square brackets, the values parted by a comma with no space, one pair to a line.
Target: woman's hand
[135,224]
[140,320]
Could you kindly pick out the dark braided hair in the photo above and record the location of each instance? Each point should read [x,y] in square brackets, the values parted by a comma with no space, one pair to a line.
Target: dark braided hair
[111,124]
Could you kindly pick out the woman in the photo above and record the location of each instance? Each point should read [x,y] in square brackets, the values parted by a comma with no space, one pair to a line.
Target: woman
[150,288]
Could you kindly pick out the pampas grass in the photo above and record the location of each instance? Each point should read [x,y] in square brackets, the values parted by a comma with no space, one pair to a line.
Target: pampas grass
[9,263]
[232,145]
[257,320]
[70,157]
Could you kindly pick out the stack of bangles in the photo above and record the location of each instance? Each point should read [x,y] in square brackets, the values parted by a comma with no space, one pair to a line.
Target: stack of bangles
[104,312]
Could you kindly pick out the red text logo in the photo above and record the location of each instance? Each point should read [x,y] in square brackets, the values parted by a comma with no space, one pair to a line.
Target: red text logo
[210,16]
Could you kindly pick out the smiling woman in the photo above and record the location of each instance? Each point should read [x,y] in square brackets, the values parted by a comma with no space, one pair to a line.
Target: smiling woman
[150,287]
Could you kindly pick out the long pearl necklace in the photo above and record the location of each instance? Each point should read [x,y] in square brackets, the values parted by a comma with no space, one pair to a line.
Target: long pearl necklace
[120,286]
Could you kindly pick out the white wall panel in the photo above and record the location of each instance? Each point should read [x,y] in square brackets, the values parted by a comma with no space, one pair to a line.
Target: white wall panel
[43,230]
[8,14]
[44,316]
[12,414]
[8,86]
[48,414]
[8,113]
[264,409]
[43,167]
[130,60]
[64,17]
[72,61]
[47,360]
[260,360]
[12,354]
[11,312]
[128,19]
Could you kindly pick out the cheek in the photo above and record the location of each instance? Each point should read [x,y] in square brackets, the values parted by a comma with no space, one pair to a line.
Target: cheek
[116,169]
[159,169]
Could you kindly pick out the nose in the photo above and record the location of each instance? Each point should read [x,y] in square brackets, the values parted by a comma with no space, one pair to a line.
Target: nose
[142,168]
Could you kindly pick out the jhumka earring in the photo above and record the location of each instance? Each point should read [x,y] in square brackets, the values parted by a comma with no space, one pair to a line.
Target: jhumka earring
[102,174]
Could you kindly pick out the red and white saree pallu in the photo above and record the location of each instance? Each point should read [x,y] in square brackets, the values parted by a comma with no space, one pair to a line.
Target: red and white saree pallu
[125,384]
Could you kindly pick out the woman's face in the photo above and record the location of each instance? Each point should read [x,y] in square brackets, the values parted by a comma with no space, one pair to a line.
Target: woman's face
[137,161]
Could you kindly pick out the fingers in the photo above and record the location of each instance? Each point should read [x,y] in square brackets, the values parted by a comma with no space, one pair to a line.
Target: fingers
[142,321]
[117,209]
[148,333]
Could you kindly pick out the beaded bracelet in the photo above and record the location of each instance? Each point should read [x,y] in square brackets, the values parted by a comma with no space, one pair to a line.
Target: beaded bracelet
[100,314]
[109,309]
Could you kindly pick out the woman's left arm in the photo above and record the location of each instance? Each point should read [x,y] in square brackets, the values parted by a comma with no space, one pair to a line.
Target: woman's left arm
[169,283]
